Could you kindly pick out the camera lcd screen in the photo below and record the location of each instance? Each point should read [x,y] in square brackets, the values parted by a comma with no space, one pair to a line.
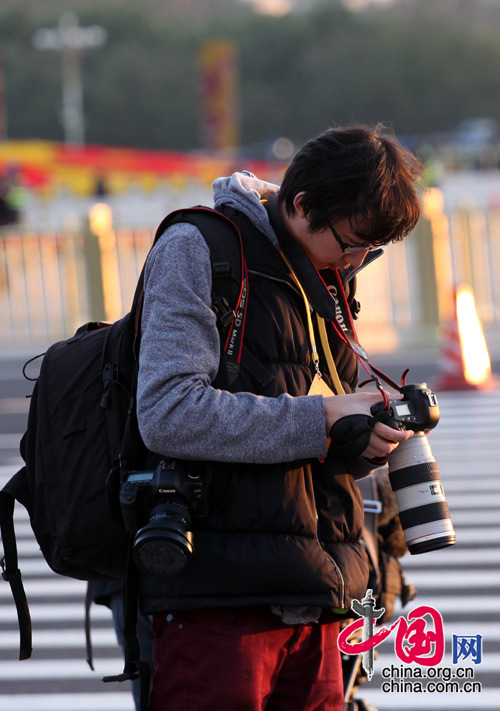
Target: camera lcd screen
[140,476]
[402,409]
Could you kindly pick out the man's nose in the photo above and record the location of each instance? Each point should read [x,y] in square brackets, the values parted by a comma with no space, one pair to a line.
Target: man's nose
[357,258]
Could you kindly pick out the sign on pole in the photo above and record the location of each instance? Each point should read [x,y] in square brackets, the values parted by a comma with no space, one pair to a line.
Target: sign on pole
[3,110]
[219,84]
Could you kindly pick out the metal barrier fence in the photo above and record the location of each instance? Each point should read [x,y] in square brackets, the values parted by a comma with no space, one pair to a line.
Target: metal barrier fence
[50,283]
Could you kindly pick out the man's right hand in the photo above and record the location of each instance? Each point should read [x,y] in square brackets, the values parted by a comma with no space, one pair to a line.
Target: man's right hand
[383,439]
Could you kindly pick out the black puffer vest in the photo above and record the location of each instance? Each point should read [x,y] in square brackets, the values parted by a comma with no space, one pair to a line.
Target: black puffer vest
[277,534]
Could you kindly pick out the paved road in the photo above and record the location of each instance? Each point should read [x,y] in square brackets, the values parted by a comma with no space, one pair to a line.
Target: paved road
[462,582]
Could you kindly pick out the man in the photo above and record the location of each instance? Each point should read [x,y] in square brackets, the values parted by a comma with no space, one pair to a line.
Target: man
[252,623]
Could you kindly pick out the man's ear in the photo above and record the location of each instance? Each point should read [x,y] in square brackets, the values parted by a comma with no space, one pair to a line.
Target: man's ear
[297,204]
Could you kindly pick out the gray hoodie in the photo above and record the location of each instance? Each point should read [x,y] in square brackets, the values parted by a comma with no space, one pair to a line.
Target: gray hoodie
[180,414]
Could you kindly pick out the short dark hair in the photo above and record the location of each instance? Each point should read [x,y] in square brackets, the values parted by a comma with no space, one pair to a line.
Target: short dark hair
[356,171]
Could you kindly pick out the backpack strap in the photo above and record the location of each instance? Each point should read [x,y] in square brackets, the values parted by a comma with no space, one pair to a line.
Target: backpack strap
[226,253]
[9,563]
[135,667]
[229,280]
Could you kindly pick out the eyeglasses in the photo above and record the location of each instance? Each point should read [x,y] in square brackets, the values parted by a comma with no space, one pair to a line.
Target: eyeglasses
[350,247]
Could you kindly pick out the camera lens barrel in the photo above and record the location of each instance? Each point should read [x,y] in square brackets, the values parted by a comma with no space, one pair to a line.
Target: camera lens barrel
[423,509]
[164,545]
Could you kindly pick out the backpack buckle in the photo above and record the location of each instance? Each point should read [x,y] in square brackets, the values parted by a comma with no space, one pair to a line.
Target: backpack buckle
[224,312]
[9,577]
[221,272]
[110,372]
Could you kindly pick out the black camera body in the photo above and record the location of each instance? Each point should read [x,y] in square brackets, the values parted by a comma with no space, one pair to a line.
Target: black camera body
[417,411]
[157,506]
[414,473]
[142,490]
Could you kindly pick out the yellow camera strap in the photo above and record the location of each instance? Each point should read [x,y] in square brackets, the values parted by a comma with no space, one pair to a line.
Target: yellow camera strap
[332,368]
[323,336]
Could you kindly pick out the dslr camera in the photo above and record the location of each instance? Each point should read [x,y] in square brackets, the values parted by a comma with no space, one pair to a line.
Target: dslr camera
[414,473]
[157,506]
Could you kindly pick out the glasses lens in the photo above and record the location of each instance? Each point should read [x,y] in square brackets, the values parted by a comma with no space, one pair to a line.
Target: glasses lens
[351,247]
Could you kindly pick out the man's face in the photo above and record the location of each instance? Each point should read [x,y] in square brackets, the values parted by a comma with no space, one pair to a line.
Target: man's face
[335,247]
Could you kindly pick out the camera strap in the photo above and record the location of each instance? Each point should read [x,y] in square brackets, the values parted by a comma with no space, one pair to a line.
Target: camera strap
[312,339]
[234,341]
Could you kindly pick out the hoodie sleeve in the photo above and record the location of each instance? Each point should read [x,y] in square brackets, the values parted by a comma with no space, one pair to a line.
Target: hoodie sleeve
[180,414]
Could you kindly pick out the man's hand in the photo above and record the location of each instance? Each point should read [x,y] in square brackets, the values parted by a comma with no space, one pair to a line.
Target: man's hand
[383,439]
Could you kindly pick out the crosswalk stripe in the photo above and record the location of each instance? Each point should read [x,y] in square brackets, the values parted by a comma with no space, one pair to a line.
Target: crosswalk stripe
[64,669]
[75,638]
[64,588]
[437,702]
[468,535]
[6,471]
[56,587]
[483,485]
[477,535]
[486,518]
[387,658]
[46,639]
[118,701]
[70,611]
[453,556]
[10,441]
[463,517]
[465,605]
[79,669]
[62,612]
[473,500]
[456,579]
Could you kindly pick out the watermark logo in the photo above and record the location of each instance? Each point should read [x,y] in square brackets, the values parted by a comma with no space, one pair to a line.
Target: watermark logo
[414,641]
[366,610]
[467,647]
[418,638]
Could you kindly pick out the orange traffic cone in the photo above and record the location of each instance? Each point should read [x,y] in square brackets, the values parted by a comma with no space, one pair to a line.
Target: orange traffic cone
[465,362]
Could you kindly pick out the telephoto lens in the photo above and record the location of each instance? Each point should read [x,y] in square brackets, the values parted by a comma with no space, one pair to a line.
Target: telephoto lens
[423,509]
[414,473]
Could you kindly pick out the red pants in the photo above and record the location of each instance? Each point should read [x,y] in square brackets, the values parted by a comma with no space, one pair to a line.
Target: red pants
[244,659]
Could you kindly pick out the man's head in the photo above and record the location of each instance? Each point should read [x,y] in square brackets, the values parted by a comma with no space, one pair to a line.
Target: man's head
[357,176]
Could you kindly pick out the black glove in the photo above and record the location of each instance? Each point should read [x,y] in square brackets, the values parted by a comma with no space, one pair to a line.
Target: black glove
[350,435]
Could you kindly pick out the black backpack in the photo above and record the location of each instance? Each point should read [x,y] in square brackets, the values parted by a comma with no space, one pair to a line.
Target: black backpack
[82,427]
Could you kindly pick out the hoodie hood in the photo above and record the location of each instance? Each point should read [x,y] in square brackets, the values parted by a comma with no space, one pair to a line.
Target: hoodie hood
[244,192]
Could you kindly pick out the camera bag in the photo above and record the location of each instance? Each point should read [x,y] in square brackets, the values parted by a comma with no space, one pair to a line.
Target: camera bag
[82,425]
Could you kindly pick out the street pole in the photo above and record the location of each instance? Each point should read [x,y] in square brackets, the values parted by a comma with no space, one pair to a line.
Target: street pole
[3,113]
[70,39]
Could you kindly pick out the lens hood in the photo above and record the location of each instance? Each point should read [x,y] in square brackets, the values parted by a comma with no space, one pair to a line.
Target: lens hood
[164,545]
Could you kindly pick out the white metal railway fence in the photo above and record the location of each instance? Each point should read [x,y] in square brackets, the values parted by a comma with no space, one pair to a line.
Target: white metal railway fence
[52,282]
